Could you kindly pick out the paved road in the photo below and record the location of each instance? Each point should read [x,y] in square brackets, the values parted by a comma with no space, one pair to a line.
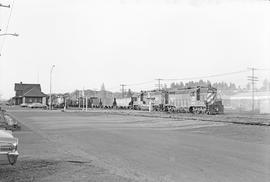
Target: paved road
[150,149]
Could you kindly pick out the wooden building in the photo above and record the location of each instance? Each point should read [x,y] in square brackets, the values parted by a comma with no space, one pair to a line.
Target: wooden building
[28,93]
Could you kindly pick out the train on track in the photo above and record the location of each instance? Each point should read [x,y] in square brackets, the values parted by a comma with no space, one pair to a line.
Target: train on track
[199,99]
[193,100]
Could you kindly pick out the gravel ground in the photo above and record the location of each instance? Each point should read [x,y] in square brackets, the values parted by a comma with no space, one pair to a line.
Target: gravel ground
[29,170]
[49,170]
[228,117]
[41,160]
[246,119]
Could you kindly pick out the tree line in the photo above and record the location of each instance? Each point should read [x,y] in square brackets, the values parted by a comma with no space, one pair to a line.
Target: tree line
[220,85]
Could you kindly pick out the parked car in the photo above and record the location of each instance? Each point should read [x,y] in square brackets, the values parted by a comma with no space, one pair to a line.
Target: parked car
[37,105]
[10,121]
[8,147]
[24,105]
[3,123]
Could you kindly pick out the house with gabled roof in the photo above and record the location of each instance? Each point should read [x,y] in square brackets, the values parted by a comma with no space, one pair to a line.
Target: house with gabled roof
[28,93]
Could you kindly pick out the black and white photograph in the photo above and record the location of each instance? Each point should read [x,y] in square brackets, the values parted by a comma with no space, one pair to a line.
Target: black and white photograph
[135,91]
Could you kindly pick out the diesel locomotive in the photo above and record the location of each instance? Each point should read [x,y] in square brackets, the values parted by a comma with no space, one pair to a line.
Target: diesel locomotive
[200,99]
[196,100]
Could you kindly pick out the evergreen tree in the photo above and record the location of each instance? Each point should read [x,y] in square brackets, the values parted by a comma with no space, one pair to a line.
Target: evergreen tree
[103,92]
[172,85]
[248,86]
[102,87]
[129,93]
[266,85]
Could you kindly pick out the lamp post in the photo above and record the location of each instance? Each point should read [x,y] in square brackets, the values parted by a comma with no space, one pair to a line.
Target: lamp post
[5,6]
[12,34]
[51,86]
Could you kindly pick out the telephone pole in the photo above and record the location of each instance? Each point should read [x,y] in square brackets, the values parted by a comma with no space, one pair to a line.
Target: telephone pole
[253,79]
[123,90]
[83,99]
[159,84]
[51,86]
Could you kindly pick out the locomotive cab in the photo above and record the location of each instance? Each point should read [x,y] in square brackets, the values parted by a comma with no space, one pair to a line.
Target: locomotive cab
[213,102]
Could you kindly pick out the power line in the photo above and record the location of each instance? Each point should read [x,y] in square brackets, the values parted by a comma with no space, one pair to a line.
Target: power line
[141,83]
[209,76]
[112,88]
[187,78]
[132,85]
[261,69]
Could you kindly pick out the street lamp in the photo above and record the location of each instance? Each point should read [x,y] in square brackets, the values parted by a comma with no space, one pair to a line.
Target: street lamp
[5,6]
[51,86]
[12,34]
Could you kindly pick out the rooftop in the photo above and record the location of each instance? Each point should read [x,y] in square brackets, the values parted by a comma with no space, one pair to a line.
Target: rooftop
[29,90]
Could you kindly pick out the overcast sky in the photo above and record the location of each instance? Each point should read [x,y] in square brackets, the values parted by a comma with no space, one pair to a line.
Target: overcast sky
[128,42]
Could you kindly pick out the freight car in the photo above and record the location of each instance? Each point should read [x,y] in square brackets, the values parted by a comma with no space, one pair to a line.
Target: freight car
[124,103]
[142,101]
[95,102]
[158,99]
[136,102]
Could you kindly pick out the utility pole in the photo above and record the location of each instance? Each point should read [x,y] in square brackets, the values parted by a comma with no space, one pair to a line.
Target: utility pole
[83,99]
[123,90]
[253,79]
[51,86]
[86,103]
[79,99]
[159,85]
[65,107]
